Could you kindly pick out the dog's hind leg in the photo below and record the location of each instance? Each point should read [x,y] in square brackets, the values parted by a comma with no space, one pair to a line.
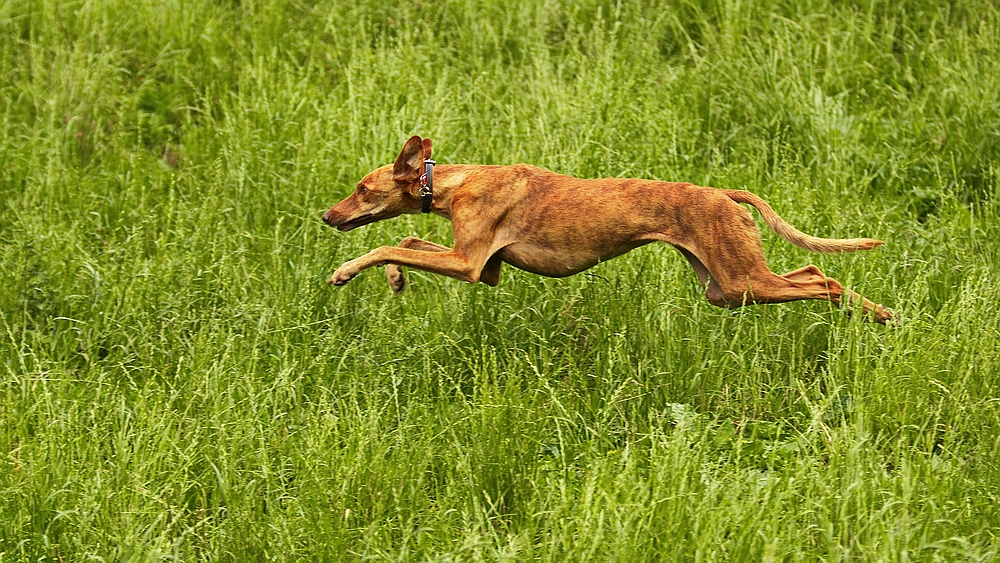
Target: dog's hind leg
[738,272]
[760,285]
[805,273]
[394,273]
[812,275]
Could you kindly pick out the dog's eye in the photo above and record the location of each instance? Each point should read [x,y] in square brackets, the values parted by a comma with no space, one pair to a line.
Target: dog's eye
[362,190]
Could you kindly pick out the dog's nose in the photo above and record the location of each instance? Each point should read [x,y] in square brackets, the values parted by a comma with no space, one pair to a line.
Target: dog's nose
[326,218]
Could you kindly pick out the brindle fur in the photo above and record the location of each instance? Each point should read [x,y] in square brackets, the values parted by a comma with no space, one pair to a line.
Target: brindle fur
[556,225]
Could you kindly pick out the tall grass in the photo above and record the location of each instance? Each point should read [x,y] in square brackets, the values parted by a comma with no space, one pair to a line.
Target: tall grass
[179,383]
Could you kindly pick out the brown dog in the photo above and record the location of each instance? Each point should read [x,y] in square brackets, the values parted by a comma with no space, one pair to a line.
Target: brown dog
[556,225]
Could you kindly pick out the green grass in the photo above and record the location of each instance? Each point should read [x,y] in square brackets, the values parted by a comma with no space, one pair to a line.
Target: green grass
[178,382]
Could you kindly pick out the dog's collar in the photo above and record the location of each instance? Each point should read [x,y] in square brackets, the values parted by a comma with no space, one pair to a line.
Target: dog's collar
[427,185]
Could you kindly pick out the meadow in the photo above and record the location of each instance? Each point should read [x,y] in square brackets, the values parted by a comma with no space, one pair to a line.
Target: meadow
[178,382]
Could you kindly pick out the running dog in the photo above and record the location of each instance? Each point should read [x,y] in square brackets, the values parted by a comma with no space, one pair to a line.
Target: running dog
[556,225]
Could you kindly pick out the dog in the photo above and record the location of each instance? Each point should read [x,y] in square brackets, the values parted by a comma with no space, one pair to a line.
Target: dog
[555,225]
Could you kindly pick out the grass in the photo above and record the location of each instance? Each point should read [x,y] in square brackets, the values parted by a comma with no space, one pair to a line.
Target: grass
[178,382]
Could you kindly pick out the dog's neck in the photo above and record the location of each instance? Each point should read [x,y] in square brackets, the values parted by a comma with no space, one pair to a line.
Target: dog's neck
[447,177]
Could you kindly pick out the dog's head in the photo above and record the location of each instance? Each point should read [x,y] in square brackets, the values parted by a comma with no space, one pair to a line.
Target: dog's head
[386,192]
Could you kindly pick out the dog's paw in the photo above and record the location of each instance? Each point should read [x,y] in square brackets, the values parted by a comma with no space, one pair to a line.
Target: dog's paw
[343,275]
[885,316]
[395,277]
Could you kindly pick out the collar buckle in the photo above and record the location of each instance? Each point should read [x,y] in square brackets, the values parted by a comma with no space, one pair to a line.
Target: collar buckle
[427,185]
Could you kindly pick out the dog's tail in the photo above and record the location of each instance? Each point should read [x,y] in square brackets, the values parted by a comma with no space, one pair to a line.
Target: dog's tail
[797,237]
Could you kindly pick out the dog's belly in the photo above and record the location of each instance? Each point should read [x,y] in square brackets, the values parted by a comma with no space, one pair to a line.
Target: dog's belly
[558,263]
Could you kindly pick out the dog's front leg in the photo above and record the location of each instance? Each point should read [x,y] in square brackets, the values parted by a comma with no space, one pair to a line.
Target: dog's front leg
[453,263]
[394,274]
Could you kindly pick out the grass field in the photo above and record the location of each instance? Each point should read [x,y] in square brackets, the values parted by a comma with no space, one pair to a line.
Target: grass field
[178,382]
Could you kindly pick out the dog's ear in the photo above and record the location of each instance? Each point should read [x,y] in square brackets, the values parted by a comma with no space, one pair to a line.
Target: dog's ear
[410,160]
[427,149]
